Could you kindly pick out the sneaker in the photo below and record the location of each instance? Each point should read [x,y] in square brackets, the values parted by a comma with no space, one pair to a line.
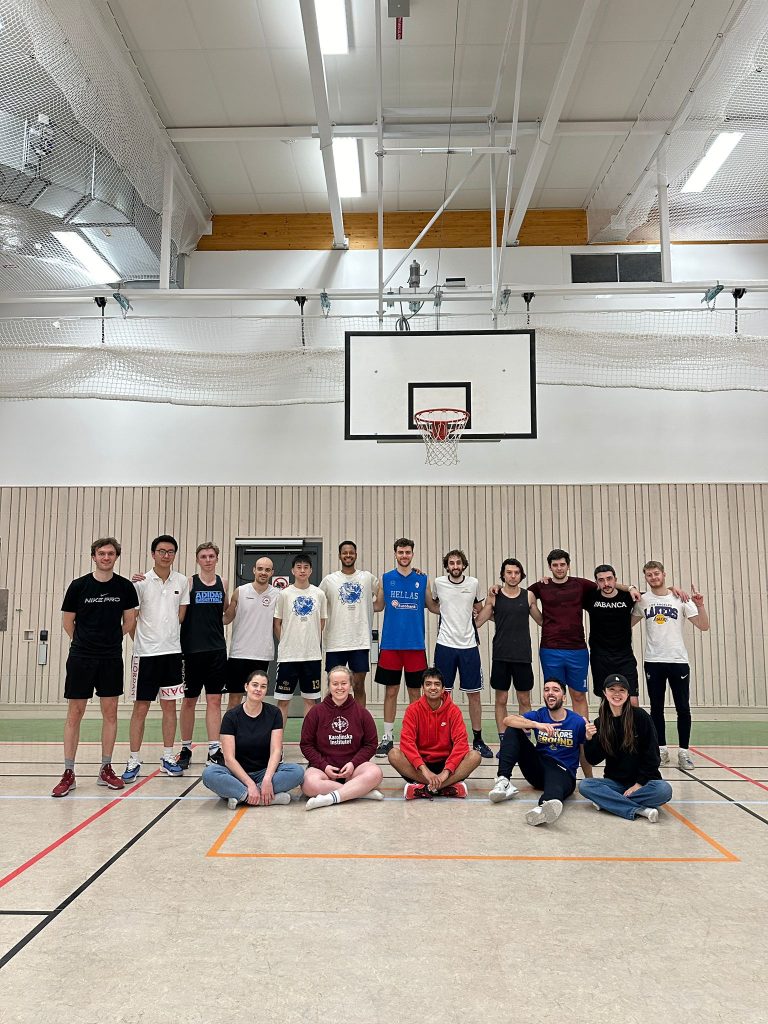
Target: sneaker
[416,790]
[107,777]
[684,760]
[170,767]
[65,784]
[232,803]
[503,790]
[545,813]
[384,748]
[482,748]
[664,755]
[184,758]
[217,756]
[458,791]
[132,771]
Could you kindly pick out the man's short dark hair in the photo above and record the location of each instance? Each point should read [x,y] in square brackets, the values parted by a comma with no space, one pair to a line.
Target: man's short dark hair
[604,568]
[104,542]
[404,542]
[554,679]
[302,558]
[347,543]
[164,538]
[556,554]
[455,552]
[511,561]
[432,673]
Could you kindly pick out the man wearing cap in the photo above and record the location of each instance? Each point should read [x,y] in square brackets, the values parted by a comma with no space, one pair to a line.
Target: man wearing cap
[625,738]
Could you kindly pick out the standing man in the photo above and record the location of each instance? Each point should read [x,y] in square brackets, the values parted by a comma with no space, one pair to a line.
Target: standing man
[347,633]
[610,632]
[402,595]
[458,598]
[157,664]
[205,653]
[252,644]
[301,611]
[510,607]
[666,659]
[97,611]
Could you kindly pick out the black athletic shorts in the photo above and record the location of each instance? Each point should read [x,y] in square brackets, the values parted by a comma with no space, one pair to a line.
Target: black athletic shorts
[205,669]
[156,670]
[84,675]
[604,665]
[238,670]
[519,673]
[305,674]
[434,766]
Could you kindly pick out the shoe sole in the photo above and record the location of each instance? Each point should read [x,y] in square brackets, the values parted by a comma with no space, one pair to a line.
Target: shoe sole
[109,785]
[173,775]
[59,795]
[499,798]
[547,816]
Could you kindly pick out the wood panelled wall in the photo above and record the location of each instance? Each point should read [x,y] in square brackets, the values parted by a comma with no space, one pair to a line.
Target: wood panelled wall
[709,534]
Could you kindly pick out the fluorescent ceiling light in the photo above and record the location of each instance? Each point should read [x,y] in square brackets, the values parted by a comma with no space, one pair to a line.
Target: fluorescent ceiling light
[94,265]
[712,161]
[347,160]
[332,26]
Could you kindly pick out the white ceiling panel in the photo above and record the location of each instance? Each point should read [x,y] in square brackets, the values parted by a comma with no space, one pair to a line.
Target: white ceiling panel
[558,198]
[270,167]
[231,25]
[186,86]
[625,64]
[280,21]
[245,82]
[291,73]
[243,202]
[289,202]
[157,25]
[217,168]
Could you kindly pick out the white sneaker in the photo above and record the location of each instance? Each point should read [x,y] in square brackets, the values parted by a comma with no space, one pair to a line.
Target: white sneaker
[684,759]
[546,813]
[502,790]
[664,754]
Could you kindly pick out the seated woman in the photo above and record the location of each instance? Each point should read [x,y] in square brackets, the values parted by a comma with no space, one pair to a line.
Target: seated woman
[252,744]
[626,740]
[338,739]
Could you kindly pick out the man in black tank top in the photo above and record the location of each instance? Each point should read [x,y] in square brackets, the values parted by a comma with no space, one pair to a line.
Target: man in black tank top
[510,606]
[205,653]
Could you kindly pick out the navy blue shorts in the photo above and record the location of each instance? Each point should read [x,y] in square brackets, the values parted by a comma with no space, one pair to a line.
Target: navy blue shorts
[465,660]
[355,661]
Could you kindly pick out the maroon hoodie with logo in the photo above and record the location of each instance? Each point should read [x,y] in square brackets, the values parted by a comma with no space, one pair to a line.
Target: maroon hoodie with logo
[333,735]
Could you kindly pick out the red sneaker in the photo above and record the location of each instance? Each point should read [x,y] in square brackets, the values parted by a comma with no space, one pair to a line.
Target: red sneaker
[458,791]
[66,783]
[414,790]
[108,778]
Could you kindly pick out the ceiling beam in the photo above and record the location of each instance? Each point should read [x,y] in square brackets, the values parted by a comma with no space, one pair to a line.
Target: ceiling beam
[322,113]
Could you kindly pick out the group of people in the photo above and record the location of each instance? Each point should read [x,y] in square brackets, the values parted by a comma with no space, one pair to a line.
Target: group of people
[179,649]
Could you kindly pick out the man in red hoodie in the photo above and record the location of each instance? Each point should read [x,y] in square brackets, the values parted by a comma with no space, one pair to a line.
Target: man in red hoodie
[434,756]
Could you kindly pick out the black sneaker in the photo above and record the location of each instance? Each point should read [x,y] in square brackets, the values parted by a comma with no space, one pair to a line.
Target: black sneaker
[384,748]
[216,756]
[482,748]
[184,758]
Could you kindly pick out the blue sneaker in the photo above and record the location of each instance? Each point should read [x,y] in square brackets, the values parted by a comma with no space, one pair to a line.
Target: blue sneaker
[170,767]
[132,771]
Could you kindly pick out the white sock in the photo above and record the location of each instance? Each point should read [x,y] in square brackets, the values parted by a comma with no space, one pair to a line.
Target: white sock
[135,756]
[389,731]
[213,745]
[168,753]
[187,744]
[663,750]
[648,812]
[323,800]
[375,794]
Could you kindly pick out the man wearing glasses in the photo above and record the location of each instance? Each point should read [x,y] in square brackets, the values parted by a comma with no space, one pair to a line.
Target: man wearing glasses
[157,666]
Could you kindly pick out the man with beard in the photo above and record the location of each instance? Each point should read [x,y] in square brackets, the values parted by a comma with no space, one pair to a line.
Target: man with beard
[610,631]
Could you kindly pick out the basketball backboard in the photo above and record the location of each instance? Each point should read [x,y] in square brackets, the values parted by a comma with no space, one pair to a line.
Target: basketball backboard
[390,376]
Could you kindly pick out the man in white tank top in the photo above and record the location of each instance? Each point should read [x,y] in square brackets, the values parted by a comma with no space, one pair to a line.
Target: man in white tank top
[252,646]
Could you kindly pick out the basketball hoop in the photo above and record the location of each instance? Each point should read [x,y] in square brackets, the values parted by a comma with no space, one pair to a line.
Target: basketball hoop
[441,430]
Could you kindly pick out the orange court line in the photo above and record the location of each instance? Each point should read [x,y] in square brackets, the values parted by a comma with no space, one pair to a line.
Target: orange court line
[702,835]
[214,850]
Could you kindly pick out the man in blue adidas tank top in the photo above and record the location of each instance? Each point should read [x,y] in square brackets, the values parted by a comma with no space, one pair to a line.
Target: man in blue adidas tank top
[402,595]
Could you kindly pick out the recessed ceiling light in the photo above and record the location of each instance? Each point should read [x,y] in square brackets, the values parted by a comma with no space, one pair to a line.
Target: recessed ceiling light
[347,160]
[712,161]
[99,270]
[332,26]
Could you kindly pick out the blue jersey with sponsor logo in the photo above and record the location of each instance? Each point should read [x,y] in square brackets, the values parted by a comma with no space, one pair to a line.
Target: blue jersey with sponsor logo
[404,599]
[563,747]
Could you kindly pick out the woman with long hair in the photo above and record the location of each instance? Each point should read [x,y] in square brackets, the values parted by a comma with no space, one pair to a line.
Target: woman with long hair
[632,785]
[252,744]
[338,739]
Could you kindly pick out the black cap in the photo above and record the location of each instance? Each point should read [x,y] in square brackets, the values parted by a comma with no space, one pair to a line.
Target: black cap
[616,680]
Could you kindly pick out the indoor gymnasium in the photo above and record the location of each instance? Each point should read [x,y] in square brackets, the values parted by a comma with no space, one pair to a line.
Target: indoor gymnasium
[383,415]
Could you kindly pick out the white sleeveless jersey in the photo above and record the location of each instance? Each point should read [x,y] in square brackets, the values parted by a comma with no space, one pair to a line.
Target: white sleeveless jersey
[252,635]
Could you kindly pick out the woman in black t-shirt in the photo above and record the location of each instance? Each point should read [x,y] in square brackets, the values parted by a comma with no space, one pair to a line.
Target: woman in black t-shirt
[252,743]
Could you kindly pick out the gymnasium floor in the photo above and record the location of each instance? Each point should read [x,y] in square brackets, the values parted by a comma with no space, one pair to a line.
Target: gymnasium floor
[158,904]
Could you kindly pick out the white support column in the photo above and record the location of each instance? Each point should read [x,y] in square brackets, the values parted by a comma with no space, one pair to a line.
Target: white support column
[560,91]
[379,161]
[165,229]
[320,96]
[664,236]
[492,141]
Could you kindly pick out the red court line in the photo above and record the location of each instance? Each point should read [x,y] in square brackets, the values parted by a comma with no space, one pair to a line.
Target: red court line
[728,768]
[73,832]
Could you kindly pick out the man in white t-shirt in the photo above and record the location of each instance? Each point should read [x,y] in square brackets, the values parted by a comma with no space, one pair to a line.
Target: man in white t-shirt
[666,658]
[252,645]
[347,635]
[301,611]
[156,669]
[458,597]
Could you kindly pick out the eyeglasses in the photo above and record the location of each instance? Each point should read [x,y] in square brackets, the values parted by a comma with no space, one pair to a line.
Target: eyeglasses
[164,552]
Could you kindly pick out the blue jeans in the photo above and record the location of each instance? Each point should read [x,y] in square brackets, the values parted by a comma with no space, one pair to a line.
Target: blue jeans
[219,779]
[609,795]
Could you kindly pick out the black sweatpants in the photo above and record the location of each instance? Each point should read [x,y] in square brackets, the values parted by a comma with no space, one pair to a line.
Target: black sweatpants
[657,675]
[539,770]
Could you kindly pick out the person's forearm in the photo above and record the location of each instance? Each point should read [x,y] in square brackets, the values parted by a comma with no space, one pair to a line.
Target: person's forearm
[702,618]
[518,722]
[238,771]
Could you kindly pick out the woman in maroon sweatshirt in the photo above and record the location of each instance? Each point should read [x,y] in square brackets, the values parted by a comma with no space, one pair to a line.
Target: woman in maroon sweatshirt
[338,739]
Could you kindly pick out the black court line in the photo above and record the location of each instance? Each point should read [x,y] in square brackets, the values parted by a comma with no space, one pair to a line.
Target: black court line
[730,799]
[6,959]
[26,913]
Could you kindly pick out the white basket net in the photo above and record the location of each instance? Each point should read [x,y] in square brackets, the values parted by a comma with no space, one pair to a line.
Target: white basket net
[441,430]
